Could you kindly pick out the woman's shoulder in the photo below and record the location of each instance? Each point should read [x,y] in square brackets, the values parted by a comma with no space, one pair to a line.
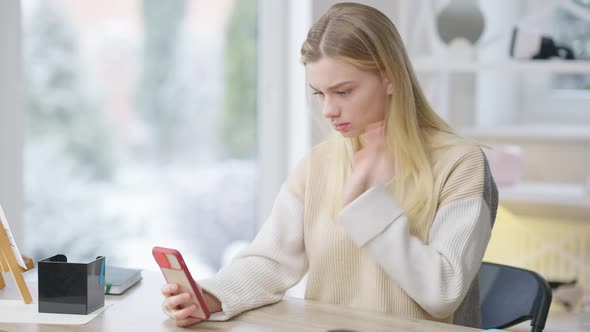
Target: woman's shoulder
[321,150]
[316,155]
[450,149]
[313,161]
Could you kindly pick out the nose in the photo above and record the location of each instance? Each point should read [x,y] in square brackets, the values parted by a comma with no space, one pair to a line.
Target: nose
[330,109]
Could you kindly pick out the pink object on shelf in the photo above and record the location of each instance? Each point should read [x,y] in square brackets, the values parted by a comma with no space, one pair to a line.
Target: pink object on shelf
[505,163]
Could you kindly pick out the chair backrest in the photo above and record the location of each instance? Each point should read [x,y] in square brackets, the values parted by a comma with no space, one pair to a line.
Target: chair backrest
[510,295]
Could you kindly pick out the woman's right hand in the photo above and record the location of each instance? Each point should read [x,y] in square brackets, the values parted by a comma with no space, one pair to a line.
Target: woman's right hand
[372,164]
[175,304]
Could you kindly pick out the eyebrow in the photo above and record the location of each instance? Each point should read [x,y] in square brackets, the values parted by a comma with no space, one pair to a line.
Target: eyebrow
[333,87]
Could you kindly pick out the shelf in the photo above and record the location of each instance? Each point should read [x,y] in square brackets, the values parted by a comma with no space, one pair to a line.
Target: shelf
[553,133]
[547,200]
[542,66]
[548,193]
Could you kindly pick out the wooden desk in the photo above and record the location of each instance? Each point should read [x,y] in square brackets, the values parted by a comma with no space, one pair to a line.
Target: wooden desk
[139,310]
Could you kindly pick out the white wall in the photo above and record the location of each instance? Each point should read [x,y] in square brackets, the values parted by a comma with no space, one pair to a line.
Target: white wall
[11,117]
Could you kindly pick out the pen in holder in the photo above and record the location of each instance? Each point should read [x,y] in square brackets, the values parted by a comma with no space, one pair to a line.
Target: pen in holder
[71,288]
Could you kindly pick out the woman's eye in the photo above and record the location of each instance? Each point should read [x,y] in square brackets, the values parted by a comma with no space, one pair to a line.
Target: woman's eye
[317,93]
[343,92]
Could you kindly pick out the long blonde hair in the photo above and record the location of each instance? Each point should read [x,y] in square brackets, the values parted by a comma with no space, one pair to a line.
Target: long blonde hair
[364,37]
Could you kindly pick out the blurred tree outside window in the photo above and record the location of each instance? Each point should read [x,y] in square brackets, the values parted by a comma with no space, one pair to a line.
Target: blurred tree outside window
[140,128]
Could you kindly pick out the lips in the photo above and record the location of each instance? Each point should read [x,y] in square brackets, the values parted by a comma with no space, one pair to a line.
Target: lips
[341,126]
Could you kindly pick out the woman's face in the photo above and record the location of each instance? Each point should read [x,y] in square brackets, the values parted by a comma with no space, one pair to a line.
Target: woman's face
[351,99]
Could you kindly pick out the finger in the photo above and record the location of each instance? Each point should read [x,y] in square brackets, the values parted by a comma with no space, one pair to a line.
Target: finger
[188,322]
[169,289]
[184,313]
[172,302]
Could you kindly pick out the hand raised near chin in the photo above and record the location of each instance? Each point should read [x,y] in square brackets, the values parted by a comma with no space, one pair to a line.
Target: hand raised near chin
[373,164]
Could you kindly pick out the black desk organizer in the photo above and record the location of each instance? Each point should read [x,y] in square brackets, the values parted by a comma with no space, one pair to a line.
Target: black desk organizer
[71,288]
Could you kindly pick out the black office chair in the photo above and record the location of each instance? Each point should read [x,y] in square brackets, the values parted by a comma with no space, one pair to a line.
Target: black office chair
[509,295]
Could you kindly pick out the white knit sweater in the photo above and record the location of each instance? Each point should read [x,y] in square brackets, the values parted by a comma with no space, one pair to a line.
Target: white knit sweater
[373,257]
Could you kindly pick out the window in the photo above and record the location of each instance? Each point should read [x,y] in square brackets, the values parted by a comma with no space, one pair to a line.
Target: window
[140,128]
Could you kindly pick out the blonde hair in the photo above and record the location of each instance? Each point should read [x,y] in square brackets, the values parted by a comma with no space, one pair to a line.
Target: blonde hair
[364,37]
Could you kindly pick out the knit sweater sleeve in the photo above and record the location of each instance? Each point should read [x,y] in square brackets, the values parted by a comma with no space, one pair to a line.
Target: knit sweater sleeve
[437,274]
[274,262]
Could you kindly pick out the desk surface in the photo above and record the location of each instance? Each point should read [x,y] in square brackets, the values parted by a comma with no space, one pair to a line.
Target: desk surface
[139,309]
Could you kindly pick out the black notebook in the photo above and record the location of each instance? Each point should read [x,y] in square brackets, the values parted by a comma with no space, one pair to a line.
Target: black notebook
[120,279]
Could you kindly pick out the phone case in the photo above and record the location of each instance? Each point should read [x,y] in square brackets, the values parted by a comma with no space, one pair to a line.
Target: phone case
[175,271]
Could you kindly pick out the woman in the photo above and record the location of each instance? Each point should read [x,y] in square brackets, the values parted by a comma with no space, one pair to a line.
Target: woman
[392,214]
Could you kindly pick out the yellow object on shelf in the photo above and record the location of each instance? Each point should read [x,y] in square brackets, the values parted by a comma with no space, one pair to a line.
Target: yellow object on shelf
[558,249]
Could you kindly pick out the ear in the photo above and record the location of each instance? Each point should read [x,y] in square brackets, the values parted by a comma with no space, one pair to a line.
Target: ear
[388,85]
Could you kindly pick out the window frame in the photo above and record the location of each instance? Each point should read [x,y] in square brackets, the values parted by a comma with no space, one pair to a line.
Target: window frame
[284,116]
[12,117]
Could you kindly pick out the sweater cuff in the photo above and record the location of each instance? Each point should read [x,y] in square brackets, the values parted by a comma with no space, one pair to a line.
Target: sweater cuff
[369,215]
[229,303]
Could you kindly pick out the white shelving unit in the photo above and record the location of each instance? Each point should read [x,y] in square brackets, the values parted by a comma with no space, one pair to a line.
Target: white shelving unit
[496,76]
[485,100]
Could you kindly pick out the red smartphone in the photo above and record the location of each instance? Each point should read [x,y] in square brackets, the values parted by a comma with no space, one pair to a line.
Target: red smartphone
[175,271]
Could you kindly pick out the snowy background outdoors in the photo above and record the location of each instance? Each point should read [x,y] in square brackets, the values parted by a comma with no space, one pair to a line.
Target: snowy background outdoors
[141,129]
